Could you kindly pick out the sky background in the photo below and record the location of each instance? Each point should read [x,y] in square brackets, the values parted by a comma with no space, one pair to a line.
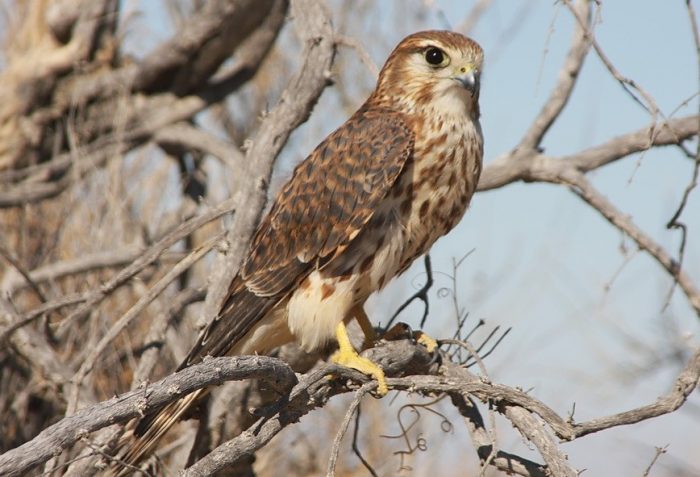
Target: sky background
[588,312]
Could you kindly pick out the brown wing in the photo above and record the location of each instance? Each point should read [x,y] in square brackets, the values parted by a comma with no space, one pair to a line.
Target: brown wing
[330,197]
[328,200]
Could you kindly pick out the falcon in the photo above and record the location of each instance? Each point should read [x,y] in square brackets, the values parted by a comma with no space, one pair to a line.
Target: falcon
[369,200]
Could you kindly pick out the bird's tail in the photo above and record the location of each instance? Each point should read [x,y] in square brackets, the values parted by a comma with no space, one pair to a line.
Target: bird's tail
[242,310]
[143,439]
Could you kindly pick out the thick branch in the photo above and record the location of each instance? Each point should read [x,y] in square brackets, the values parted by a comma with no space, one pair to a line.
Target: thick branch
[312,391]
[136,403]
[534,431]
[189,58]
[684,385]
[517,165]
[481,440]
[671,132]
[536,167]
[567,79]
[146,115]
[456,379]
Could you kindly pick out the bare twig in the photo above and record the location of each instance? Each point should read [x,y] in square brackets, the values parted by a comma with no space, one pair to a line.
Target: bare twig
[421,295]
[659,452]
[157,331]
[344,40]
[24,272]
[79,265]
[354,405]
[584,189]
[627,84]
[674,222]
[355,444]
[149,255]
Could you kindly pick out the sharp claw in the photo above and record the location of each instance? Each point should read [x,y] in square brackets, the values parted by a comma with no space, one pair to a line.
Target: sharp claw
[435,357]
[399,331]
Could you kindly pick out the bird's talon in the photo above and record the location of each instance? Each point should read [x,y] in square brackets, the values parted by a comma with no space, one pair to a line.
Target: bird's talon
[348,357]
[435,358]
[422,338]
[363,365]
[400,331]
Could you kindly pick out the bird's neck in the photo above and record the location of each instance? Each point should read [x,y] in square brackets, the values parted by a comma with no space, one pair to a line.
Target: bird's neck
[453,105]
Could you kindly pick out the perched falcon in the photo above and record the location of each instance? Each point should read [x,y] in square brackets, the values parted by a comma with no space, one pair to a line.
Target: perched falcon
[371,198]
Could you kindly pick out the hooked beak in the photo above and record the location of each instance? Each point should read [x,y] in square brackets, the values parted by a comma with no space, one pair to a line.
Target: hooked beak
[469,80]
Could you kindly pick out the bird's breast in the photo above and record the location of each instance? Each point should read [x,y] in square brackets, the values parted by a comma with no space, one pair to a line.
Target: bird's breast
[446,169]
[428,199]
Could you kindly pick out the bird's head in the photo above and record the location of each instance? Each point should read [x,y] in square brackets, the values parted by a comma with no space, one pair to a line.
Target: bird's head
[432,69]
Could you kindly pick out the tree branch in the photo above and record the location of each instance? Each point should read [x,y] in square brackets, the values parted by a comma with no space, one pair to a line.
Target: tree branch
[506,169]
[595,199]
[567,79]
[533,430]
[313,390]
[313,25]
[483,445]
[136,403]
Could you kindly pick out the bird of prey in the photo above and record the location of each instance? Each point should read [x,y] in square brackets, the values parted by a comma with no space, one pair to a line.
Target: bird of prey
[371,198]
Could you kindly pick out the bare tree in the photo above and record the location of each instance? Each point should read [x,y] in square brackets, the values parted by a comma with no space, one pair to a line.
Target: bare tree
[133,171]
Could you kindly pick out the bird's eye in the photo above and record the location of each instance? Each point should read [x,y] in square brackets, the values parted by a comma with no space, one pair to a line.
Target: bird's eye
[436,57]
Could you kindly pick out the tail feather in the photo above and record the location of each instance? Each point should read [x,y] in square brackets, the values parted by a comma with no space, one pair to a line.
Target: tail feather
[140,445]
[242,310]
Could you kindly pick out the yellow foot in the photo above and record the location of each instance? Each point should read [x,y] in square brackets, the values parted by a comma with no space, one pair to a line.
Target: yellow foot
[366,326]
[347,356]
[401,331]
[427,341]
